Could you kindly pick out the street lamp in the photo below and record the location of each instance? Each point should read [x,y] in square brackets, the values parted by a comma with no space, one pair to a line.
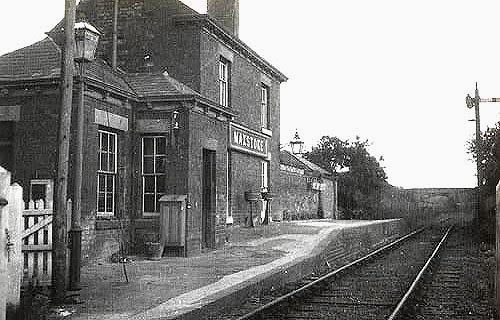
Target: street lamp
[86,40]
[296,144]
[336,171]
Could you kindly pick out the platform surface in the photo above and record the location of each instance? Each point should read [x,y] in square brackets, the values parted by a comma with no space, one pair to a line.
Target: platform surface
[174,285]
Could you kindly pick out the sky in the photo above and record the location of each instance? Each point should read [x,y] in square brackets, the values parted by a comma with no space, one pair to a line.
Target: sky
[390,71]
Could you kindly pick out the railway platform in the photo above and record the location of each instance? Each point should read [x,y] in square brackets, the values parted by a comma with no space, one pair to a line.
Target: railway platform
[261,258]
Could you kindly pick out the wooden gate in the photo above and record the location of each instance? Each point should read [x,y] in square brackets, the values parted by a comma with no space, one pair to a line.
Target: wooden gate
[37,234]
[37,243]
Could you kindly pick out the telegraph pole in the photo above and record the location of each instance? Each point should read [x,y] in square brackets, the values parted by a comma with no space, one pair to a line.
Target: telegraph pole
[60,232]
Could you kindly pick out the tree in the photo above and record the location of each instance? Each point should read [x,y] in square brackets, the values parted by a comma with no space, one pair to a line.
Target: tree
[361,188]
[487,151]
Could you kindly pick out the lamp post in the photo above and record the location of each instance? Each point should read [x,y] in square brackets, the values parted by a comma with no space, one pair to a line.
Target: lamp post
[86,39]
[296,144]
[336,171]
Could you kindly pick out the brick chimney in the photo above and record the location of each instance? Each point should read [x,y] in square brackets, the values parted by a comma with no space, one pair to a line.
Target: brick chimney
[226,14]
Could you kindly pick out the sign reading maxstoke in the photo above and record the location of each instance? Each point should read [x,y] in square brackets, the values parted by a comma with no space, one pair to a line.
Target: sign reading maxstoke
[248,141]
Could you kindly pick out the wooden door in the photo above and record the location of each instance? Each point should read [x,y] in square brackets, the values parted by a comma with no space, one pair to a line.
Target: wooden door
[208,204]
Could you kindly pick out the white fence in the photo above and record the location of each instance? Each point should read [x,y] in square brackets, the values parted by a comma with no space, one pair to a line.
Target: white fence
[37,242]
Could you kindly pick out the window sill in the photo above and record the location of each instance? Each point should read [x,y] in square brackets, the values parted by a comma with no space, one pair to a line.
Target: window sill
[267,132]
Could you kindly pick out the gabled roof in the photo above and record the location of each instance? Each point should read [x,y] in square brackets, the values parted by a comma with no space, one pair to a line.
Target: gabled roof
[157,84]
[288,158]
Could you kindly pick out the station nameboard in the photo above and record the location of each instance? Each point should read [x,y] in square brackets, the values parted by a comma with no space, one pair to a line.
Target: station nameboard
[248,141]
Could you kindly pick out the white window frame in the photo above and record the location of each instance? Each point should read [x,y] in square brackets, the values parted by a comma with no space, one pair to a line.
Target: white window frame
[107,173]
[264,106]
[224,68]
[155,174]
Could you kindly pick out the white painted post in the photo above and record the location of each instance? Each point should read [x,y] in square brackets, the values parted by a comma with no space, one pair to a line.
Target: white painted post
[4,188]
[15,263]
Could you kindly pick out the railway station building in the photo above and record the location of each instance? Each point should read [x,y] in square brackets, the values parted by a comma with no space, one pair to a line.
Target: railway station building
[179,113]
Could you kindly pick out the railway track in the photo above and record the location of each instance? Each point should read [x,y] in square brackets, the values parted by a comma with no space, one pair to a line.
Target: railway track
[453,286]
[368,288]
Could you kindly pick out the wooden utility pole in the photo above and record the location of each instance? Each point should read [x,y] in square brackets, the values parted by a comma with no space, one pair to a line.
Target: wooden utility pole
[60,232]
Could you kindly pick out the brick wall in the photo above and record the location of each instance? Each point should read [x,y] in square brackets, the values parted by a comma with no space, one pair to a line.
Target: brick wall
[96,242]
[35,155]
[146,229]
[245,83]
[298,201]
[206,133]
[144,28]
[245,176]
[35,137]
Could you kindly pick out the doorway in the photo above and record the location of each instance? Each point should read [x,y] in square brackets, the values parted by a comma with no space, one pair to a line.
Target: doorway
[6,145]
[208,204]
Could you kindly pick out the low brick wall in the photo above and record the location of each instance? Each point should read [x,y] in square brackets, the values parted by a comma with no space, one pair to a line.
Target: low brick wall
[297,200]
[339,248]
[101,239]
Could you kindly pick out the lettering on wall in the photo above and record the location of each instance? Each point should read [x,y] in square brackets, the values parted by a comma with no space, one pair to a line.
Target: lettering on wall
[248,141]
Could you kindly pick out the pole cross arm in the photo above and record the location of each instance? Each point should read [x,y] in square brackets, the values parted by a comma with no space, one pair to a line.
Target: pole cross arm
[489,100]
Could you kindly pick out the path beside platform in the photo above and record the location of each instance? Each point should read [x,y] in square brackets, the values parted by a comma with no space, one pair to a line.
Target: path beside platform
[175,285]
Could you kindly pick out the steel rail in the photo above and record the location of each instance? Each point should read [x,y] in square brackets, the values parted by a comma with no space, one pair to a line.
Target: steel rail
[397,311]
[327,276]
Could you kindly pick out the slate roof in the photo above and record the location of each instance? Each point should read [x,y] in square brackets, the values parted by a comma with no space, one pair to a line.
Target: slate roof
[102,72]
[157,84]
[288,158]
[313,166]
[39,60]
[42,60]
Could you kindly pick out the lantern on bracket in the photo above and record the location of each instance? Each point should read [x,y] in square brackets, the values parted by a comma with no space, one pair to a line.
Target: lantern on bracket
[86,39]
[296,144]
